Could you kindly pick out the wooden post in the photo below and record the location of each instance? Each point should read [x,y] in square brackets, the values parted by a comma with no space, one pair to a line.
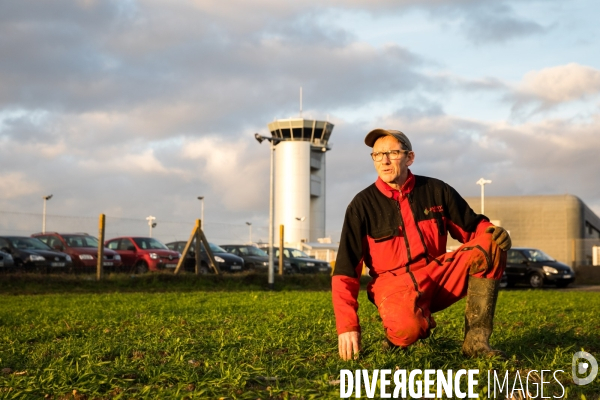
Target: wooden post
[100,263]
[197,247]
[211,257]
[281,249]
[186,249]
[198,235]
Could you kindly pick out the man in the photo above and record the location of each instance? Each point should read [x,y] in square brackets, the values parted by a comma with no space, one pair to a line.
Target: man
[398,227]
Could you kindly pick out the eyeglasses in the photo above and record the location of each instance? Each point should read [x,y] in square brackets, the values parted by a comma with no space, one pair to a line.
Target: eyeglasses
[392,154]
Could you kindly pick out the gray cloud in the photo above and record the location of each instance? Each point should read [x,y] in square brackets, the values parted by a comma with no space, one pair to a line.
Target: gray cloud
[135,109]
[497,23]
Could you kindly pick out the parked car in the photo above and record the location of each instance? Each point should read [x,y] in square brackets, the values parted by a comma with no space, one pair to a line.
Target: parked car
[536,268]
[6,261]
[82,248]
[227,262]
[32,254]
[143,254]
[255,258]
[300,261]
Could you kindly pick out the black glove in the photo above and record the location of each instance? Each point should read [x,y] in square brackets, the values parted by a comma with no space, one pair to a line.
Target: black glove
[500,236]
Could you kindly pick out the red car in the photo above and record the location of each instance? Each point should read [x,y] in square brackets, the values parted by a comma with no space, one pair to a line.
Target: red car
[143,254]
[82,248]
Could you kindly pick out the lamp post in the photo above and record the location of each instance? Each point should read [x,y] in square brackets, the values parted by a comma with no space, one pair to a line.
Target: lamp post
[482,182]
[273,141]
[46,198]
[250,234]
[201,198]
[151,223]
[301,225]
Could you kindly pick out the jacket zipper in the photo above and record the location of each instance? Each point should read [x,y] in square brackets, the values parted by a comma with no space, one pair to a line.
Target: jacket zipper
[418,229]
[409,258]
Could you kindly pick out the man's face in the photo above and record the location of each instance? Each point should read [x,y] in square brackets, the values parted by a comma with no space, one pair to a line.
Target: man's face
[392,172]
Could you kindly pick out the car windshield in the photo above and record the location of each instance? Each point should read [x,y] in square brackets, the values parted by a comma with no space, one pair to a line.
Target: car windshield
[289,253]
[214,248]
[255,251]
[26,243]
[81,241]
[297,253]
[149,243]
[535,255]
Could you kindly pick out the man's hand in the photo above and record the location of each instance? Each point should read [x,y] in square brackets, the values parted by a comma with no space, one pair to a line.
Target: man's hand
[500,236]
[349,345]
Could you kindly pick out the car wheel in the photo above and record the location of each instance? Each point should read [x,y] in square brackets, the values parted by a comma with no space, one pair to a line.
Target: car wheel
[141,267]
[536,280]
[510,283]
[562,284]
[203,270]
[503,284]
[19,267]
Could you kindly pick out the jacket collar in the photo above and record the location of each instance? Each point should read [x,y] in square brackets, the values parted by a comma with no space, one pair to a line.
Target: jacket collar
[390,192]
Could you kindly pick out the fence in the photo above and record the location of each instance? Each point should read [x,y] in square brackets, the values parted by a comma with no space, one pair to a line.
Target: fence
[25,224]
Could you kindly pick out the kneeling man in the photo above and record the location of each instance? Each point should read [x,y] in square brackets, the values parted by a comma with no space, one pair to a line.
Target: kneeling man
[398,227]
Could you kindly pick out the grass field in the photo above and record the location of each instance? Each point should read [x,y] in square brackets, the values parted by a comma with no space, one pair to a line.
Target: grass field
[169,338]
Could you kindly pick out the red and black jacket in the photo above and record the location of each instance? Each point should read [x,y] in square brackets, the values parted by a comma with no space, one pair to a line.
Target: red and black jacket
[400,231]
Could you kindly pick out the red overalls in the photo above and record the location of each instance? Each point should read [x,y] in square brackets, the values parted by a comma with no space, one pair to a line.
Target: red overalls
[413,275]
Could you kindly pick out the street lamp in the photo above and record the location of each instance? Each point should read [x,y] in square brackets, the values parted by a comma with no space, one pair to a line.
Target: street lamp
[301,230]
[482,182]
[273,141]
[201,198]
[151,223]
[250,226]
[46,198]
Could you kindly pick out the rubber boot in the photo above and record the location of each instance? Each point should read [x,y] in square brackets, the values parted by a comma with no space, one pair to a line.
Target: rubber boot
[479,318]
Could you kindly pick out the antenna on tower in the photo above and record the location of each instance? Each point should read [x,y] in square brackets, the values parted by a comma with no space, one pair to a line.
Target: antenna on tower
[300,101]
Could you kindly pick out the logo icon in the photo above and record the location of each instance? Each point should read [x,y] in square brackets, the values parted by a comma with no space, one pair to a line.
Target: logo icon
[584,364]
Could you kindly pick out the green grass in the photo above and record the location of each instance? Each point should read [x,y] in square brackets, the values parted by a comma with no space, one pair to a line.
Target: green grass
[177,341]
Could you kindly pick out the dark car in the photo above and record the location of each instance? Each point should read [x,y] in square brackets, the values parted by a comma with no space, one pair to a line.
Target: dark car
[254,258]
[143,254]
[227,262]
[32,254]
[301,262]
[6,261]
[533,266]
[82,248]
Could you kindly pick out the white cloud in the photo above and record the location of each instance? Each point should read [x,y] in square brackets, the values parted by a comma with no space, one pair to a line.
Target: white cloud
[232,169]
[16,184]
[132,163]
[560,84]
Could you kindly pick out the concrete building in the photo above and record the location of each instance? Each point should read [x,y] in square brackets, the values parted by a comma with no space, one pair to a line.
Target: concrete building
[560,225]
[300,178]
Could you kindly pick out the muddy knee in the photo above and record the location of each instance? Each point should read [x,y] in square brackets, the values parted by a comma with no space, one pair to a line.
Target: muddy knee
[404,334]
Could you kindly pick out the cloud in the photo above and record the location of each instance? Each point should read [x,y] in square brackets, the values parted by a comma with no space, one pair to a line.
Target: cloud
[16,184]
[559,84]
[231,169]
[136,108]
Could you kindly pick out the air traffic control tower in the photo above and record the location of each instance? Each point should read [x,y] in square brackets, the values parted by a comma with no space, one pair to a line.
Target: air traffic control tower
[300,178]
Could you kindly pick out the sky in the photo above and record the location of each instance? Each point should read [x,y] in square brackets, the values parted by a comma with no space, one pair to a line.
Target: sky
[136,108]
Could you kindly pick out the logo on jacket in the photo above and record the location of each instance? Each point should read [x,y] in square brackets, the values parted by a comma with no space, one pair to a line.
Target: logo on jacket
[434,209]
